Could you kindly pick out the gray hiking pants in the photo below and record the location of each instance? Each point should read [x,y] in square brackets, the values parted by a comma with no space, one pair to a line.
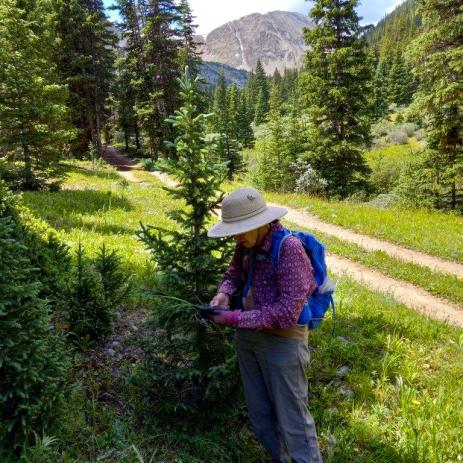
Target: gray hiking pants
[275,385]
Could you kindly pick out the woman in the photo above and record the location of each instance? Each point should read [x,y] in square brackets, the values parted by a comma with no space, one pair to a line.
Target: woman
[272,349]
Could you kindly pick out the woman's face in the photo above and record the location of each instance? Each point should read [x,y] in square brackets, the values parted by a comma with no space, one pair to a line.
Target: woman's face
[253,237]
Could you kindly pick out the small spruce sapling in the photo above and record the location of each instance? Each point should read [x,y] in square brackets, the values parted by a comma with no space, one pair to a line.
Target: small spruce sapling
[187,365]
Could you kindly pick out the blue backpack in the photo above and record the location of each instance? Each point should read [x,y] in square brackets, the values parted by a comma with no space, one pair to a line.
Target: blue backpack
[320,301]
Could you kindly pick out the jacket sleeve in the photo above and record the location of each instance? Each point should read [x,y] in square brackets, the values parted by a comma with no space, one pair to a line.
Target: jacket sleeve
[295,283]
[232,280]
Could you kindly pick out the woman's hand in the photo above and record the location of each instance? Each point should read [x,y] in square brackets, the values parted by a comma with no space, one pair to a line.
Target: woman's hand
[227,317]
[221,300]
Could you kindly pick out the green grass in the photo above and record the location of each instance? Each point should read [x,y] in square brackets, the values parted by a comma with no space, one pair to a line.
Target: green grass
[400,401]
[98,206]
[439,284]
[392,153]
[405,377]
[436,233]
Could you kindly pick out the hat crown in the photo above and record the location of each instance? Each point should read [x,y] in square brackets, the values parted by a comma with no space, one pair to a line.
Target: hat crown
[242,204]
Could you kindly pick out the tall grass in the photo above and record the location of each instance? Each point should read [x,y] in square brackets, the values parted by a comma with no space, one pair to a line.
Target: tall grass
[398,399]
[97,206]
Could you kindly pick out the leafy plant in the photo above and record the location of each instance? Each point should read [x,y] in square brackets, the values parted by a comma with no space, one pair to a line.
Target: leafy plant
[308,180]
[148,164]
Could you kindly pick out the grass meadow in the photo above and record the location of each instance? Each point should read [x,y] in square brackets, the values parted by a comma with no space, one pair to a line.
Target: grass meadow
[385,387]
[433,232]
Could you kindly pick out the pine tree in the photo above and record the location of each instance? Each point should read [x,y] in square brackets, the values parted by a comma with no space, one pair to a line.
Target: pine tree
[130,71]
[33,112]
[124,93]
[85,58]
[224,124]
[185,365]
[244,121]
[437,58]
[273,168]
[400,82]
[35,361]
[262,95]
[381,90]
[159,55]
[251,96]
[189,55]
[233,103]
[337,92]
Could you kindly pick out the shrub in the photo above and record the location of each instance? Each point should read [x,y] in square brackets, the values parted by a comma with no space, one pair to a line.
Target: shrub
[148,164]
[385,200]
[358,197]
[34,360]
[398,137]
[307,179]
[90,315]
[409,128]
[420,135]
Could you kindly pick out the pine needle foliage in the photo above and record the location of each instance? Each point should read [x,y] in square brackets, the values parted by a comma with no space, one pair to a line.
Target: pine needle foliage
[89,313]
[337,88]
[187,365]
[34,360]
[437,56]
[117,283]
[33,114]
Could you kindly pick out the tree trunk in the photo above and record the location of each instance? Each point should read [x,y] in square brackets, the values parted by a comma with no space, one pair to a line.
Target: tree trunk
[126,138]
[98,129]
[28,174]
[454,195]
[137,135]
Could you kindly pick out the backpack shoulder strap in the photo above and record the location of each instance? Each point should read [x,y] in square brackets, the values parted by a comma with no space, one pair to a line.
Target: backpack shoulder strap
[277,242]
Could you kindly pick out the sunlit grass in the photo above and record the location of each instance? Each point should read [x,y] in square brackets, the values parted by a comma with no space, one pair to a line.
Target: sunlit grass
[98,206]
[433,232]
[403,399]
[399,400]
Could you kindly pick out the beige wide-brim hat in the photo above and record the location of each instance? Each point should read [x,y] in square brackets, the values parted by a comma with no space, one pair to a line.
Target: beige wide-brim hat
[244,210]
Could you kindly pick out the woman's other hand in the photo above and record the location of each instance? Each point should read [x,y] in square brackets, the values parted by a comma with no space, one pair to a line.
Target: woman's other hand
[221,300]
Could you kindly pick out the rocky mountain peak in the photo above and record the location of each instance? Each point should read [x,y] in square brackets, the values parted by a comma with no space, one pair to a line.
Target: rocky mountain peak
[276,38]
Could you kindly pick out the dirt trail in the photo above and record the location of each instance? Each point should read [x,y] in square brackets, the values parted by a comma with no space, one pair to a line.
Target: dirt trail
[410,295]
[373,244]
[406,293]
[124,165]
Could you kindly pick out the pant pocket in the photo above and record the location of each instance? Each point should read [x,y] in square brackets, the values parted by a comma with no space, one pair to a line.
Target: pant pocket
[304,356]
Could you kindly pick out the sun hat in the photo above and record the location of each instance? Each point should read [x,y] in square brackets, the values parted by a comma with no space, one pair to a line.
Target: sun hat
[244,210]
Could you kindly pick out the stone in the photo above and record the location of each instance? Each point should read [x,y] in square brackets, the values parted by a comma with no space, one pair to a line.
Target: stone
[343,371]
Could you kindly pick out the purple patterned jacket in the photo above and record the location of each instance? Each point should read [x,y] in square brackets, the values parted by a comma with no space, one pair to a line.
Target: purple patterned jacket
[278,296]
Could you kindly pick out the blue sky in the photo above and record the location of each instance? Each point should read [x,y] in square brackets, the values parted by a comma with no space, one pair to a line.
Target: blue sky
[213,13]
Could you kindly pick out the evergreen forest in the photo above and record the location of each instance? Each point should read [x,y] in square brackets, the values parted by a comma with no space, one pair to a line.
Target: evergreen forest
[118,145]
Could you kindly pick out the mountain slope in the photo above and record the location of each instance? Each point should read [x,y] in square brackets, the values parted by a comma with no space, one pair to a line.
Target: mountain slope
[210,72]
[276,38]
[395,31]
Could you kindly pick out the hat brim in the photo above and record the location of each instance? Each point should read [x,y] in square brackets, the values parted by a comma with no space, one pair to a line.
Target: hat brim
[222,229]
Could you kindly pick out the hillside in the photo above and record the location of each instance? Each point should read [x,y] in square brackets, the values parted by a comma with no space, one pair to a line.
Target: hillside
[276,38]
[210,72]
[396,30]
